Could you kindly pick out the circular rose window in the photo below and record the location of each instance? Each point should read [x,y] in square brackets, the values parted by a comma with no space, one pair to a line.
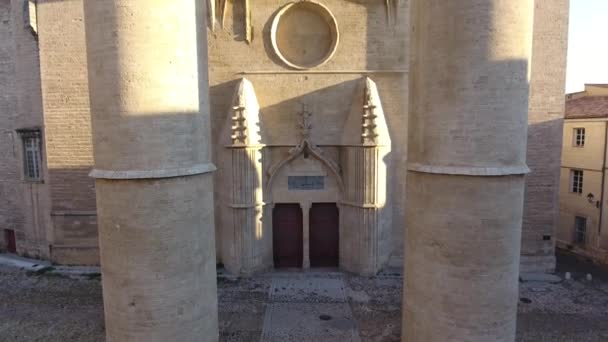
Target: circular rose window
[304,34]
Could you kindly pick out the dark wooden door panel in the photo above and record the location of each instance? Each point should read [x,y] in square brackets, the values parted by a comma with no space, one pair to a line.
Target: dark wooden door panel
[324,235]
[287,235]
[9,238]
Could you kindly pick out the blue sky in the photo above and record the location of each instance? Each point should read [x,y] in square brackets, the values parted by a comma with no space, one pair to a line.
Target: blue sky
[587,44]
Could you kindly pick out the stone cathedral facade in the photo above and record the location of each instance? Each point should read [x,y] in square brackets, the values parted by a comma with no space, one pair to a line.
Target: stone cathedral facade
[308,122]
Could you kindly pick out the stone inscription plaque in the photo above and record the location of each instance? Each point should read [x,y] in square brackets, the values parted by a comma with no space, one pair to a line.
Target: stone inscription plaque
[306,182]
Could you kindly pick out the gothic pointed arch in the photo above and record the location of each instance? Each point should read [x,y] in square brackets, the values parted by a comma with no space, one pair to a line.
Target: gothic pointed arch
[305,146]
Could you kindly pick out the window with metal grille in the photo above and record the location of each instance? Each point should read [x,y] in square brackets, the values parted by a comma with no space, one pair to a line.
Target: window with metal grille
[579,137]
[32,160]
[580,229]
[576,181]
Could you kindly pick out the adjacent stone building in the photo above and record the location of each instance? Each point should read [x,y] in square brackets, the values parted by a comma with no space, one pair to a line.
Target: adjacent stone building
[51,213]
[308,129]
[583,228]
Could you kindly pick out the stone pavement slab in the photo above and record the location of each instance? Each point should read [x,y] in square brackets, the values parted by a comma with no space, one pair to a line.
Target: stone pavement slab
[308,307]
[307,288]
[309,322]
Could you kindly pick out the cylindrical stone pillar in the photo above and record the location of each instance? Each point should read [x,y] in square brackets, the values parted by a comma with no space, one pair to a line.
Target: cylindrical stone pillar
[466,166]
[152,168]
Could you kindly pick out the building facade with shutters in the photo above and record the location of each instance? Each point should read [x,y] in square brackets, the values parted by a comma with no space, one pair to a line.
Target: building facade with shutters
[583,228]
[310,139]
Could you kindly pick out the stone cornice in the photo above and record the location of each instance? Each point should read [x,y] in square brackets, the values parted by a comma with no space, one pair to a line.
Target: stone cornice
[469,170]
[153,174]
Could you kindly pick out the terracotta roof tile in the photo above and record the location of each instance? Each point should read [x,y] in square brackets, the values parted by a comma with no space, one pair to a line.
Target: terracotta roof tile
[587,107]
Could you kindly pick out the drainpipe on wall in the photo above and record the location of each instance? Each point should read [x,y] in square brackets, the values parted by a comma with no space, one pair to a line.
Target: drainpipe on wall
[601,219]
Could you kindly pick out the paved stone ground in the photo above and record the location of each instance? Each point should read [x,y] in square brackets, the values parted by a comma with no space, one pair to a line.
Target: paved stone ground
[318,299]
[35,306]
[294,306]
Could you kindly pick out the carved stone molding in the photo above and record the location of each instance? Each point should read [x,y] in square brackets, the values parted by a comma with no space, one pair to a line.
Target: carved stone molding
[369,134]
[245,117]
[305,146]
[304,34]
[365,152]
[246,196]
[366,123]
[392,11]
[217,9]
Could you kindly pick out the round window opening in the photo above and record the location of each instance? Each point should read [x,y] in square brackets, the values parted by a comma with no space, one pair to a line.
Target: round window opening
[304,34]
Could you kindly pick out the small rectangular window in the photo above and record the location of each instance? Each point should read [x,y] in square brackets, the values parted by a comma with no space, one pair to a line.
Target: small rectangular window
[579,137]
[32,158]
[580,230]
[576,181]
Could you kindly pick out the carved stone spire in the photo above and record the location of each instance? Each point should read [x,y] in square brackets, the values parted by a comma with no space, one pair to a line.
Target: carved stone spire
[366,124]
[245,127]
[243,174]
[365,158]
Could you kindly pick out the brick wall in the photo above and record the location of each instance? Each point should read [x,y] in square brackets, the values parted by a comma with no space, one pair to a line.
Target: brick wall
[68,130]
[26,203]
[25,206]
[11,214]
[368,42]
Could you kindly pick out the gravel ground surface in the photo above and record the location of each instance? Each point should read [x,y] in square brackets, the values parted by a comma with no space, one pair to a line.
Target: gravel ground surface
[42,307]
[46,307]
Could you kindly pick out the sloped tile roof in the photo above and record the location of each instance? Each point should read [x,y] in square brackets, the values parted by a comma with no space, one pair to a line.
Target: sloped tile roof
[587,107]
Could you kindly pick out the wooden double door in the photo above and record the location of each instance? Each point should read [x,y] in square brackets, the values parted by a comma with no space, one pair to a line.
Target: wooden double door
[288,237]
[324,235]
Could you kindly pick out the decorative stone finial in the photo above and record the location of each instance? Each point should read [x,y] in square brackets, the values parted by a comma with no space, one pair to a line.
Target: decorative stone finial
[366,124]
[304,123]
[244,128]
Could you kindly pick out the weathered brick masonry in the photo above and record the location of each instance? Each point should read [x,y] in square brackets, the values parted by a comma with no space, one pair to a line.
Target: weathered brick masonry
[23,205]
[67,125]
[43,70]
[11,214]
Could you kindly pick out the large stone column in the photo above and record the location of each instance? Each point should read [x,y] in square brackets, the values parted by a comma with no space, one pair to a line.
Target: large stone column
[152,169]
[467,153]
